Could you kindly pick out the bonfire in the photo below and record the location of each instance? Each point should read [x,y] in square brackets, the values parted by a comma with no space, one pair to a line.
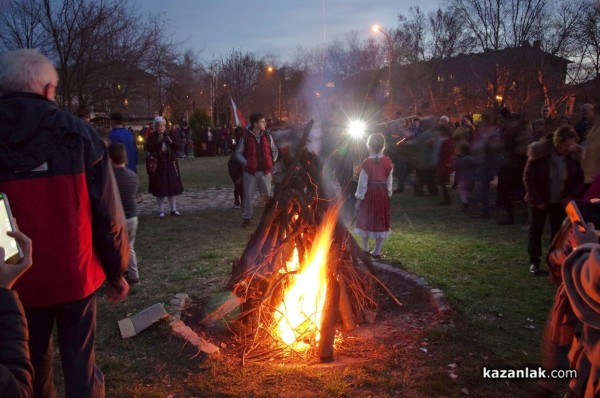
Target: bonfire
[302,279]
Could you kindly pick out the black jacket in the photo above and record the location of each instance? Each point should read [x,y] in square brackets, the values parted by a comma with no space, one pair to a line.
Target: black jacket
[16,371]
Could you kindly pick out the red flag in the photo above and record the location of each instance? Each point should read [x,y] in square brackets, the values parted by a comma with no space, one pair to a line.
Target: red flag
[237,114]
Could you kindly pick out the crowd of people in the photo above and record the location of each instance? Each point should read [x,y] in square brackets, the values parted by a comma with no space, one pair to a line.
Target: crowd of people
[55,166]
[544,164]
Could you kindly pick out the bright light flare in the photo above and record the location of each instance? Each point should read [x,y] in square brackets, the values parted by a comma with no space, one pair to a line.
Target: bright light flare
[357,128]
[376,28]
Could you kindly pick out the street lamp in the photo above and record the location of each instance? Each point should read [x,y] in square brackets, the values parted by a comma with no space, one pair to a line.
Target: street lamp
[271,69]
[377,29]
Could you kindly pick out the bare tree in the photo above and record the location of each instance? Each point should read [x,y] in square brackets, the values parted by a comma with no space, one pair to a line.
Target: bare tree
[526,21]
[238,75]
[560,37]
[106,55]
[484,19]
[21,26]
[96,43]
[186,84]
[409,39]
[589,42]
[446,34]
[563,21]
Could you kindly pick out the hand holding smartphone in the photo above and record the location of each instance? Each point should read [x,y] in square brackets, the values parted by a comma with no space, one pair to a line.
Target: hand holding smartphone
[12,250]
[575,215]
[9,273]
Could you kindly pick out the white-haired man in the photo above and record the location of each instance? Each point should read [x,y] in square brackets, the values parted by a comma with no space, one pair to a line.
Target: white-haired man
[57,173]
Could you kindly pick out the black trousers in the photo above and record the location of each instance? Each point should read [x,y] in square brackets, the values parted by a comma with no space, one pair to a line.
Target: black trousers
[425,177]
[442,181]
[76,330]
[537,218]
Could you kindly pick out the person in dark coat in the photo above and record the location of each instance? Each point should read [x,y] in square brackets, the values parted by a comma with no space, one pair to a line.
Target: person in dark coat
[445,161]
[515,135]
[166,180]
[16,371]
[236,170]
[552,176]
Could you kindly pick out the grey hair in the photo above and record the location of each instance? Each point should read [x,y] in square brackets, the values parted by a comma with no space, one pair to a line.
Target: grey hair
[26,70]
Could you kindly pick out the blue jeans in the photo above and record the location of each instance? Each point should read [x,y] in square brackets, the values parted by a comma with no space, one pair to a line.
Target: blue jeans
[76,327]
[132,269]
[259,180]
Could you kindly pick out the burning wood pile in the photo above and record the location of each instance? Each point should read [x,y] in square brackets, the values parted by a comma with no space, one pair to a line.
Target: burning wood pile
[301,271]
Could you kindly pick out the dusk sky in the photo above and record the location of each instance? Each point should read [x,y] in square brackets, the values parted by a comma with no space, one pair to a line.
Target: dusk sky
[211,27]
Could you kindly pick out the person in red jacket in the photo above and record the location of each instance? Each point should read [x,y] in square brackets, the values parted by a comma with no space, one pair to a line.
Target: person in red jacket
[56,171]
[257,152]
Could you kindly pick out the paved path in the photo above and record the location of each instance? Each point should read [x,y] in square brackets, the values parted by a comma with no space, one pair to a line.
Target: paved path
[195,200]
[191,201]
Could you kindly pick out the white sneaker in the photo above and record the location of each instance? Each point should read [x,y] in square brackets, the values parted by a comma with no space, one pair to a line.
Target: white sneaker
[161,214]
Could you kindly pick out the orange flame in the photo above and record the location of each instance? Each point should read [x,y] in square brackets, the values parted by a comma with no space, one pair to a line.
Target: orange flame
[298,317]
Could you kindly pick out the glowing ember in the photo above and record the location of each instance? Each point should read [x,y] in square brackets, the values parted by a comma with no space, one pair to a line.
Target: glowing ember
[298,317]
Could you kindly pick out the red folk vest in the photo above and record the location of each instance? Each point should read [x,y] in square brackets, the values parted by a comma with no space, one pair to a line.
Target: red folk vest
[250,153]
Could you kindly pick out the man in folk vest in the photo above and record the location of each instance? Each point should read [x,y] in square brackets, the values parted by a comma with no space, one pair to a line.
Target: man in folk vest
[257,152]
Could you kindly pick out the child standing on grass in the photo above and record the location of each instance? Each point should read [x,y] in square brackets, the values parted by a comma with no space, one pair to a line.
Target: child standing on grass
[372,196]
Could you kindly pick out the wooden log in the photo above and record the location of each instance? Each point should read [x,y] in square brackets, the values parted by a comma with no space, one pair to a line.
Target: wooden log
[272,242]
[294,164]
[265,225]
[330,313]
[355,250]
[346,312]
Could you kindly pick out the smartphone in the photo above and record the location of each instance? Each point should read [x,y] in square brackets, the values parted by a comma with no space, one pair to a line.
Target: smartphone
[575,215]
[12,251]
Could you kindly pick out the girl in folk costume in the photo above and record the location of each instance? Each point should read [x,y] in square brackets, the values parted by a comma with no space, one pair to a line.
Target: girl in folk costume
[374,189]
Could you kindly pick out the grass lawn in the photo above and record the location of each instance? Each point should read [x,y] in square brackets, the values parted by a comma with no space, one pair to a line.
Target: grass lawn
[498,309]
